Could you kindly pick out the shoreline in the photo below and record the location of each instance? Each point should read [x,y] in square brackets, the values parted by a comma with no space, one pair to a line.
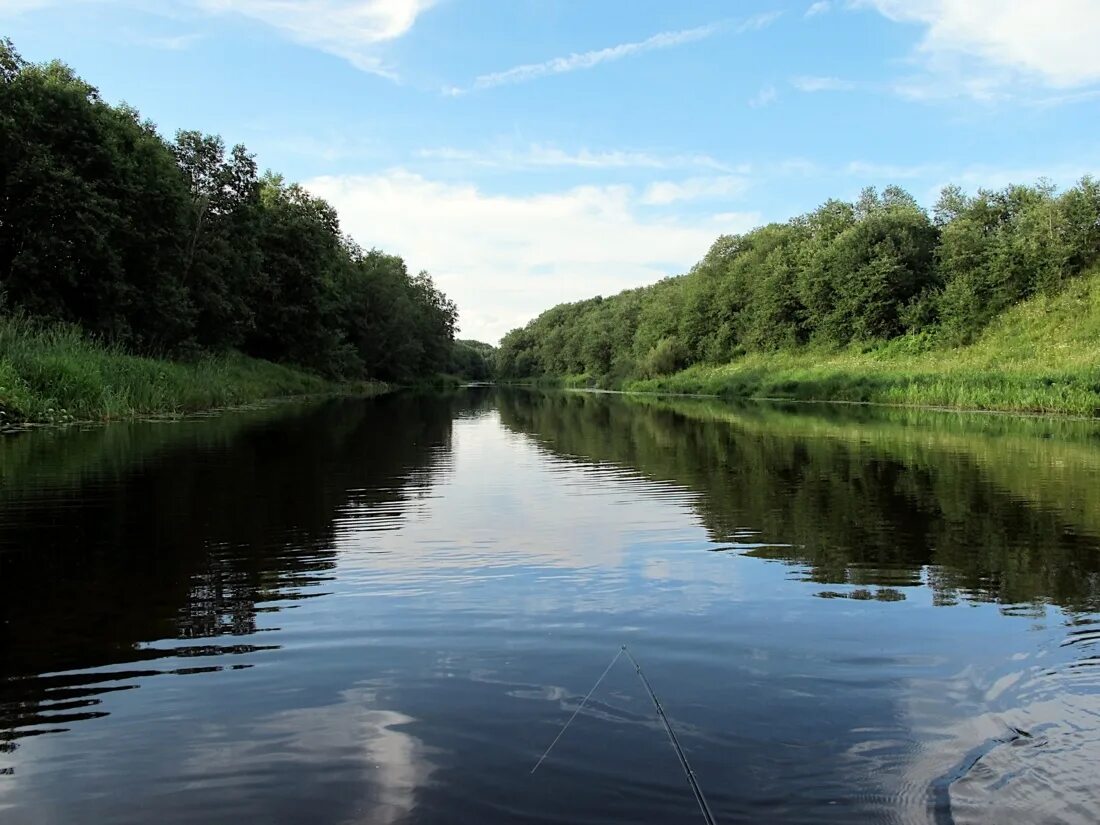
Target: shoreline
[995,405]
[56,375]
[1041,357]
[370,389]
[1060,416]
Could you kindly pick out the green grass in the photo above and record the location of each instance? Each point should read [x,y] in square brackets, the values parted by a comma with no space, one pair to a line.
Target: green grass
[56,374]
[1040,356]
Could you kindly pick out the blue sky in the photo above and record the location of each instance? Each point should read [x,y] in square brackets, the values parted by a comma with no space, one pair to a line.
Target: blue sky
[527,152]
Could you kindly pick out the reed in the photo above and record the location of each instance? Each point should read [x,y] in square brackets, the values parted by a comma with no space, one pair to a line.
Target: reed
[54,373]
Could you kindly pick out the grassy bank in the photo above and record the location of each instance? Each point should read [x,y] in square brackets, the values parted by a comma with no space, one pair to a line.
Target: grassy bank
[1040,356]
[56,374]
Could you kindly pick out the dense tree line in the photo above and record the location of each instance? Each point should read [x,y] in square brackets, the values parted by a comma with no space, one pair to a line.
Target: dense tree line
[182,247]
[867,271]
[473,360]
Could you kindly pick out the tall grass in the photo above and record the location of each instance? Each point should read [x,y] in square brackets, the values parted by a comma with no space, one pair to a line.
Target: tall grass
[55,373]
[1040,356]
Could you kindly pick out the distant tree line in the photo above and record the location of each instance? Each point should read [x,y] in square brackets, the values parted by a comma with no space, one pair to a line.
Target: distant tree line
[180,248]
[872,270]
[473,360]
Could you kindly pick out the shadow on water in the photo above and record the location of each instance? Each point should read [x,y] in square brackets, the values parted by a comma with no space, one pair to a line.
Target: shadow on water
[111,537]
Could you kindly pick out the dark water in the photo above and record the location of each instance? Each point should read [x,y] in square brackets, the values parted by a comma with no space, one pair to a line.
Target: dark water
[383,611]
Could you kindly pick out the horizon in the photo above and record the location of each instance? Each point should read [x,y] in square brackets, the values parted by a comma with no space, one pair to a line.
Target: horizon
[532,154]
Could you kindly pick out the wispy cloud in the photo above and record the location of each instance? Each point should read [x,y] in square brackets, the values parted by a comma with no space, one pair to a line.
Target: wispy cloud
[13,7]
[928,177]
[351,29]
[538,155]
[798,167]
[1061,99]
[586,60]
[666,192]
[757,22]
[172,43]
[823,84]
[578,61]
[977,88]
[764,97]
[820,7]
[976,176]
[889,171]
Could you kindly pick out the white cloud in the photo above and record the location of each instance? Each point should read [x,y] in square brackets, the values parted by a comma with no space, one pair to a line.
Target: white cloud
[1051,40]
[820,7]
[350,29]
[539,155]
[506,258]
[764,97]
[666,192]
[391,765]
[587,60]
[823,84]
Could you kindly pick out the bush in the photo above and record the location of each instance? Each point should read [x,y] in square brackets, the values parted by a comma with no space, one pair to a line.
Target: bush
[666,357]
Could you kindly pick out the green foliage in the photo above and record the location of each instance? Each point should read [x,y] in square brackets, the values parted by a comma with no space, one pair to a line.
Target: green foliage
[998,248]
[472,360]
[835,282]
[182,249]
[1042,355]
[53,372]
[667,356]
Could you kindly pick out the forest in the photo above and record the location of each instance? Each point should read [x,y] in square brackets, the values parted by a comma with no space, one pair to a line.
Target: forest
[847,275]
[118,244]
[182,249]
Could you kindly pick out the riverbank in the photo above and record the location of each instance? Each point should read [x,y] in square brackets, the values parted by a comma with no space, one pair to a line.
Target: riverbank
[55,374]
[1041,356]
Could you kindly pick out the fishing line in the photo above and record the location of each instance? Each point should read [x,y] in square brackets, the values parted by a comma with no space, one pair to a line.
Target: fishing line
[704,808]
[579,707]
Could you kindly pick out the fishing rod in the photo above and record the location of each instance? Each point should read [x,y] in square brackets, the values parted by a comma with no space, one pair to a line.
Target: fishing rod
[704,808]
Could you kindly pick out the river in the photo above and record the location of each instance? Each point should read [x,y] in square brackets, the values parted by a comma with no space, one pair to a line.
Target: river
[384,611]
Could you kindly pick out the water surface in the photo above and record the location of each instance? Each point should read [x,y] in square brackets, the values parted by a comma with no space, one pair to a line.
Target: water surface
[382,611]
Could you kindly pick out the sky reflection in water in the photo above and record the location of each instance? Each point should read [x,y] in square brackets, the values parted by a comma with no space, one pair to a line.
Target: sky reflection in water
[382,611]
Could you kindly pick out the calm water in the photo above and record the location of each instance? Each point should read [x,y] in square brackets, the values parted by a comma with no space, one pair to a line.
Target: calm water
[383,611]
